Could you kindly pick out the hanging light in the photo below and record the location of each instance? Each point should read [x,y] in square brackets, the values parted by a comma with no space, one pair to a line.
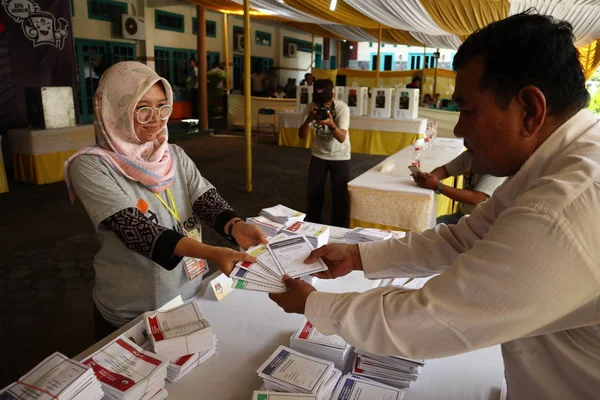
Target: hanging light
[332,5]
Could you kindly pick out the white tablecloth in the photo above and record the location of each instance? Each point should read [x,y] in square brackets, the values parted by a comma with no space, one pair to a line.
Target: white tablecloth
[394,199]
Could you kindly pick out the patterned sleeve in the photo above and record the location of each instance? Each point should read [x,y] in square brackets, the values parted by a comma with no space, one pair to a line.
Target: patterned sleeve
[214,210]
[145,237]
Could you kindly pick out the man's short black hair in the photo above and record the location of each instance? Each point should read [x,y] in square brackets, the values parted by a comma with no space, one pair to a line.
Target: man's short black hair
[307,75]
[529,49]
[416,78]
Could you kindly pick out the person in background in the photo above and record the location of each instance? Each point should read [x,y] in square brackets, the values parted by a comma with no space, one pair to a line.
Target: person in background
[523,270]
[330,153]
[477,186]
[435,102]
[146,198]
[308,80]
[290,89]
[426,102]
[270,82]
[257,78]
[194,87]
[415,83]
[216,68]
[279,93]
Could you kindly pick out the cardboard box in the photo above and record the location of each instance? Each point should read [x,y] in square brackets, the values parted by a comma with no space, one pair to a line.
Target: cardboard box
[406,103]
[357,99]
[382,102]
[304,96]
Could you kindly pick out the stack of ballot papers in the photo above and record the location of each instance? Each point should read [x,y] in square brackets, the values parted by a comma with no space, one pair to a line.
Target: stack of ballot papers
[289,371]
[282,214]
[57,377]
[317,235]
[282,255]
[270,228]
[179,331]
[308,340]
[128,372]
[361,235]
[182,366]
[394,371]
[267,395]
[357,388]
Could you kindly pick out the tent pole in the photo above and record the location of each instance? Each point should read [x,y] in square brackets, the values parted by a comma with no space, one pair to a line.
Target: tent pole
[312,53]
[378,58]
[436,73]
[247,96]
[202,69]
[226,44]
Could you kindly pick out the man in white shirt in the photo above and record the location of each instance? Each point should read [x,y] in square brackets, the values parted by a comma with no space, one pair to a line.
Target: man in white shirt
[330,153]
[523,270]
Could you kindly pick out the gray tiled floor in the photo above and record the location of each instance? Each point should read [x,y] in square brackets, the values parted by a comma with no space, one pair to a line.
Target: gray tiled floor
[47,246]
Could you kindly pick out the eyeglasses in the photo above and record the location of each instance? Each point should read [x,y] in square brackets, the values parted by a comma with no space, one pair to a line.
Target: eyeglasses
[145,114]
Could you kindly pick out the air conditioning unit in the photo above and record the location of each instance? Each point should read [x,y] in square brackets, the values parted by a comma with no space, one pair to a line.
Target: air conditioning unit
[290,50]
[239,43]
[130,27]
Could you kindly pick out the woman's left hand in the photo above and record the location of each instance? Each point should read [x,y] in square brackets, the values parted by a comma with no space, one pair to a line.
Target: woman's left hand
[248,235]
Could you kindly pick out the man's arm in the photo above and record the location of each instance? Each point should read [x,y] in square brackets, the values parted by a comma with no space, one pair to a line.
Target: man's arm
[511,284]
[432,181]
[440,172]
[305,127]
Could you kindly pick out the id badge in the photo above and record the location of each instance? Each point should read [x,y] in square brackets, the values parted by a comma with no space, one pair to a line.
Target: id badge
[194,267]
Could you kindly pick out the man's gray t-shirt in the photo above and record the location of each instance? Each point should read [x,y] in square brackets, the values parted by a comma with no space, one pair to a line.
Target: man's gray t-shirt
[484,183]
[324,144]
[127,283]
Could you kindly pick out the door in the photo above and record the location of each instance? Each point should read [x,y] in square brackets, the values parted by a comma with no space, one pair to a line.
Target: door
[388,62]
[212,57]
[238,72]
[333,62]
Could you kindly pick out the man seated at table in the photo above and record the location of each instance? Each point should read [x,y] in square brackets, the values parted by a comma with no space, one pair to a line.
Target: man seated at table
[477,186]
[330,153]
[523,270]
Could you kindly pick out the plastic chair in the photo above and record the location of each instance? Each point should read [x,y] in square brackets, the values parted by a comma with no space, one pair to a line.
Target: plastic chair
[266,112]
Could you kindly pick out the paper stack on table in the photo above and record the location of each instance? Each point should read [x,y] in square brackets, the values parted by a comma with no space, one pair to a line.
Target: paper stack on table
[180,331]
[289,371]
[282,255]
[128,372]
[308,340]
[282,214]
[270,228]
[268,395]
[357,388]
[317,235]
[182,366]
[57,377]
[361,235]
[394,371]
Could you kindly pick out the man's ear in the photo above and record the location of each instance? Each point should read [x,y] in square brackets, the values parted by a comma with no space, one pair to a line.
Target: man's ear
[533,103]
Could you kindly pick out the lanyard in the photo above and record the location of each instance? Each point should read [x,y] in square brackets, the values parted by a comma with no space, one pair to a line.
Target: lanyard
[173,208]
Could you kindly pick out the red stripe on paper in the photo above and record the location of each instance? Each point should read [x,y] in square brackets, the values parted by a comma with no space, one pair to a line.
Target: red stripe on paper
[155,329]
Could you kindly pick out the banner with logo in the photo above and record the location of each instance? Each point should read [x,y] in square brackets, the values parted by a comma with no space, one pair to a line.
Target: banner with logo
[36,49]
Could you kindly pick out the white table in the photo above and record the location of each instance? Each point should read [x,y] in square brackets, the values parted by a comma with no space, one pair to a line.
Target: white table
[393,200]
[249,327]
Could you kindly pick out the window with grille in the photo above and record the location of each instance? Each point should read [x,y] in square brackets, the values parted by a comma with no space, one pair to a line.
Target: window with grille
[106,10]
[169,21]
[263,38]
[211,27]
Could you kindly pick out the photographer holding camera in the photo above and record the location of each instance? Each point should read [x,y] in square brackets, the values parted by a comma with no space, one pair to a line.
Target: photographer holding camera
[330,153]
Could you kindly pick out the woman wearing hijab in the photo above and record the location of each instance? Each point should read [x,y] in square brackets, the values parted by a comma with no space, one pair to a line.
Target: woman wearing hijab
[145,197]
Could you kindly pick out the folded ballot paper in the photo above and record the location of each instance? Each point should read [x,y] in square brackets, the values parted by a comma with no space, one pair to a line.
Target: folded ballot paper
[361,235]
[289,371]
[308,340]
[282,255]
[357,388]
[182,366]
[179,331]
[282,214]
[128,372]
[317,235]
[58,378]
[270,228]
[394,371]
[267,395]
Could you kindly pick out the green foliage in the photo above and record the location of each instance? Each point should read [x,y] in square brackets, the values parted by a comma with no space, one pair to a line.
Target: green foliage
[595,103]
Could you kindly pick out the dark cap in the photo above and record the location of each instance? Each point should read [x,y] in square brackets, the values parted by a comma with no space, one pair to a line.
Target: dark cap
[323,90]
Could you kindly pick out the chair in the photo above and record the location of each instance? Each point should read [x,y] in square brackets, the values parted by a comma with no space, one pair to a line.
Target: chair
[266,112]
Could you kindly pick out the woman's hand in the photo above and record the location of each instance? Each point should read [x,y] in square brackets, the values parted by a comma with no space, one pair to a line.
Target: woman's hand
[248,235]
[226,258]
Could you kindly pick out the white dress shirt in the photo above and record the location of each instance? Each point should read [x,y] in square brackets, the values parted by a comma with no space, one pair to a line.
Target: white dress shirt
[523,270]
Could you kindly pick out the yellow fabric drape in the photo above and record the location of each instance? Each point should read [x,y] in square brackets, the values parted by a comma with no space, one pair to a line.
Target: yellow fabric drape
[343,13]
[319,73]
[228,6]
[395,36]
[589,56]
[42,168]
[463,17]
[3,179]
[315,29]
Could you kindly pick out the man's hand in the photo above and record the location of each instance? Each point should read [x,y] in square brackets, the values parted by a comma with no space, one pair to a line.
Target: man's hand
[226,258]
[341,259]
[312,114]
[294,300]
[329,121]
[248,235]
[427,181]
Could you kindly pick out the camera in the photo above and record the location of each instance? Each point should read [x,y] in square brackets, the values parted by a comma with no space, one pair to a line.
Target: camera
[322,114]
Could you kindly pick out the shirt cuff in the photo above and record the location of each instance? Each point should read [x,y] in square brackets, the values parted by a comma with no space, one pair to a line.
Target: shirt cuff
[376,258]
[318,311]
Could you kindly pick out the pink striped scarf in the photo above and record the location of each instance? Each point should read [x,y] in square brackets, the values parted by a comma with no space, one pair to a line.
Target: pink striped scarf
[121,88]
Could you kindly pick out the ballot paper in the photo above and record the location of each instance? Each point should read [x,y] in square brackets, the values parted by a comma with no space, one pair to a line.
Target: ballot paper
[270,228]
[267,395]
[317,235]
[257,287]
[394,371]
[126,371]
[57,377]
[294,370]
[264,257]
[355,388]
[250,276]
[179,331]
[308,340]
[289,255]
[182,366]
[361,235]
[282,214]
